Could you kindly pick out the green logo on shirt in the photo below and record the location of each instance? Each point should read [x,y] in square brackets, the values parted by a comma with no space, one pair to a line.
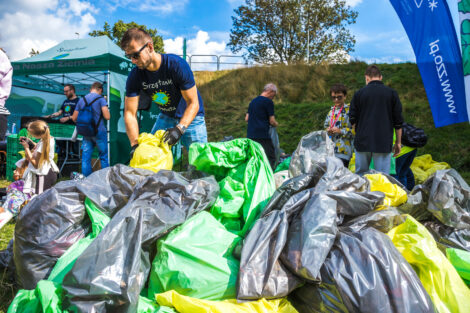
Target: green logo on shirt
[161,98]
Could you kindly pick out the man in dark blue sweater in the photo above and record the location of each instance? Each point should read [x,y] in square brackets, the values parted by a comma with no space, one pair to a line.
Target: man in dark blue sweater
[260,116]
[375,111]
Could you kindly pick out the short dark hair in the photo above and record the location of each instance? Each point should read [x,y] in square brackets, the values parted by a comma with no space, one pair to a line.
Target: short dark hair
[338,88]
[373,71]
[70,86]
[97,86]
[137,34]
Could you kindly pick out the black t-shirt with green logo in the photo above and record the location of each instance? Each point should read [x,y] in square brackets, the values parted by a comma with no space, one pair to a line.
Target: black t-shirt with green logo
[68,107]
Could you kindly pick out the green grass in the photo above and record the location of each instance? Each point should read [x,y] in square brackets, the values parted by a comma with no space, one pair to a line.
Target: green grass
[7,290]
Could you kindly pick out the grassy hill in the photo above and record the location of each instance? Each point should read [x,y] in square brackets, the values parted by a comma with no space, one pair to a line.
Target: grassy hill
[303,102]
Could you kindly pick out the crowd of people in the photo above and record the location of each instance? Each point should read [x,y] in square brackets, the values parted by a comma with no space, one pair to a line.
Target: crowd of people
[370,126]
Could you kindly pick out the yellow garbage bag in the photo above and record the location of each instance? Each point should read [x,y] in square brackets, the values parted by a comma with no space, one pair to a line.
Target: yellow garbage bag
[394,195]
[440,279]
[184,304]
[423,166]
[152,153]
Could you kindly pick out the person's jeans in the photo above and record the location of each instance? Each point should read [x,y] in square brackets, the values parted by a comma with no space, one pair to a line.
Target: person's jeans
[381,162]
[404,173]
[88,144]
[196,131]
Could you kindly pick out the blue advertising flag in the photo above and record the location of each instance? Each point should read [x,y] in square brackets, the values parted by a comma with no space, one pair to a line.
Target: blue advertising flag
[431,31]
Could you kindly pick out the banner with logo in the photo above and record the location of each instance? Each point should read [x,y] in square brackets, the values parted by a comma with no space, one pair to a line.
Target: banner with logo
[464,14]
[431,31]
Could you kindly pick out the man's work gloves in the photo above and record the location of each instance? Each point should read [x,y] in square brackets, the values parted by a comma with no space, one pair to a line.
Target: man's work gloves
[172,135]
[131,154]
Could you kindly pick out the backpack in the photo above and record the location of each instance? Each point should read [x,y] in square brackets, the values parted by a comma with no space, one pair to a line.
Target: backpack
[85,122]
[413,136]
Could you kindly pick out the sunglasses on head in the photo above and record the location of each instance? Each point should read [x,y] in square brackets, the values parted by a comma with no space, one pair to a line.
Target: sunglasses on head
[336,97]
[136,55]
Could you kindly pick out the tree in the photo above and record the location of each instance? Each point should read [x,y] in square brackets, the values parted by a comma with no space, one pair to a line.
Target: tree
[119,28]
[272,31]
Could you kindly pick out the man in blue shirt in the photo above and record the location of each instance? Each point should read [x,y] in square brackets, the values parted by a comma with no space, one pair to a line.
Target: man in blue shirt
[68,106]
[100,113]
[169,81]
[260,116]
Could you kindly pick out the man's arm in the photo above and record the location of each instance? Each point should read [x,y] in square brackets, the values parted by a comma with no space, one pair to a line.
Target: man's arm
[192,101]
[397,146]
[247,116]
[131,105]
[105,111]
[58,113]
[272,121]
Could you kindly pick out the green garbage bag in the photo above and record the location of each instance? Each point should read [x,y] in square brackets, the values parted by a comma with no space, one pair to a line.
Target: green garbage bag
[284,165]
[440,279]
[196,260]
[460,259]
[245,179]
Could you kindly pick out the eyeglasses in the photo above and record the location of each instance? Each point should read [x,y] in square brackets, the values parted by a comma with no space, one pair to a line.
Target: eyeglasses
[136,55]
[336,98]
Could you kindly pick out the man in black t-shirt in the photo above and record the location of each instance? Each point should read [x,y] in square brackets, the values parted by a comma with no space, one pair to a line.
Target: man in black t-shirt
[260,116]
[68,106]
[374,112]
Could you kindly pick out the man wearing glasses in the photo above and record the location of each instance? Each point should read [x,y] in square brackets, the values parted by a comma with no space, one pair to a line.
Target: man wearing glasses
[168,80]
[68,106]
[375,111]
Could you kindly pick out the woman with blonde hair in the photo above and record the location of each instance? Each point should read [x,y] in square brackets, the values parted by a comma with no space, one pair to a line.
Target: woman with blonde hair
[41,171]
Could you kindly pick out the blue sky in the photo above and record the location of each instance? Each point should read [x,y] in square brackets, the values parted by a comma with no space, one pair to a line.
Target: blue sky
[206,24]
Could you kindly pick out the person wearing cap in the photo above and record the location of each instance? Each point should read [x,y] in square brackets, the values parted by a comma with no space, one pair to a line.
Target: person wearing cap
[168,80]
[260,117]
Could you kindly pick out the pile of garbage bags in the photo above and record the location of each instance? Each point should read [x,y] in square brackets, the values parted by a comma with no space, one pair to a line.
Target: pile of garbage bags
[228,235]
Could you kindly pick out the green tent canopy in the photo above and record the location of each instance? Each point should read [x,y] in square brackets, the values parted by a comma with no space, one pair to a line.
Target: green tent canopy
[38,85]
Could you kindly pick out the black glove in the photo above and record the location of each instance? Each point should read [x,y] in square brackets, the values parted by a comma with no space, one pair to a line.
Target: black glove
[131,154]
[172,135]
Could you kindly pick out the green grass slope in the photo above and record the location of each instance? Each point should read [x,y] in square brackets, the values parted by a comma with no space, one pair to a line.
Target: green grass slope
[303,102]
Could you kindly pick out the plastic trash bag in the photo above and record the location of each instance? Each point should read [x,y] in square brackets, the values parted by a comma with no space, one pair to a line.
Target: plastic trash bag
[111,272]
[185,304]
[382,220]
[245,179]
[261,274]
[460,259]
[423,167]
[152,153]
[364,273]
[447,290]
[284,165]
[448,237]
[417,203]
[280,178]
[310,154]
[310,237]
[275,139]
[449,199]
[111,187]
[394,195]
[195,260]
[46,227]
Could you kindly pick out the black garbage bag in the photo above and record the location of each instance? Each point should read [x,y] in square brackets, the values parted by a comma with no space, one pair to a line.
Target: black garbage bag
[111,188]
[310,155]
[364,272]
[449,199]
[356,203]
[261,274]
[448,237]
[46,227]
[7,265]
[287,190]
[382,220]
[337,177]
[310,237]
[110,274]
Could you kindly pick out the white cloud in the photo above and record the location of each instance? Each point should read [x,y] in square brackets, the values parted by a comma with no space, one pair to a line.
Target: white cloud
[154,6]
[353,3]
[41,24]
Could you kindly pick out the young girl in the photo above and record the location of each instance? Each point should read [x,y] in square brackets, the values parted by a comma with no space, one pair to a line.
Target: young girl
[41,172]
